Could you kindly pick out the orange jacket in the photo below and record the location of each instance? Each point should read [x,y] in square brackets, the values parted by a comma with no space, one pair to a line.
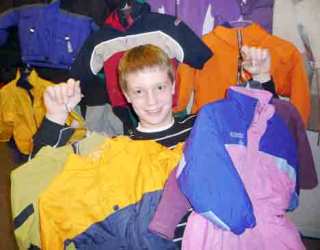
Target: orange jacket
[220,72]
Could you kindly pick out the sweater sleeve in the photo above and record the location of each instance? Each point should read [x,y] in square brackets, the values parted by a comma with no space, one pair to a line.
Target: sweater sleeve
[171,209]
[51,134]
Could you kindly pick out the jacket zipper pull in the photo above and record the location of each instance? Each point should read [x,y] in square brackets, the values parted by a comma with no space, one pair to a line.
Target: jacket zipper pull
[69,45]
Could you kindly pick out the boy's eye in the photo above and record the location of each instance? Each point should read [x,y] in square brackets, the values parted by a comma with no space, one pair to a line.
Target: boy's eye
[161,87]
[138,92]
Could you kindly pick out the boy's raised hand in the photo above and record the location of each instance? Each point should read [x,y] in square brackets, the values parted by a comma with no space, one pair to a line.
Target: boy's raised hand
[60,99]
[257,61]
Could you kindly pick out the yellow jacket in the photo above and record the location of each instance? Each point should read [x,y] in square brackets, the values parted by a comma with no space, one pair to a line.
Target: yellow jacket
[20,117]
[220,72]
[89,187]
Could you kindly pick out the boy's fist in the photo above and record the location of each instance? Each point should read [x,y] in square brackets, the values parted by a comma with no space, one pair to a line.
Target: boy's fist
[60,99]
[257,62]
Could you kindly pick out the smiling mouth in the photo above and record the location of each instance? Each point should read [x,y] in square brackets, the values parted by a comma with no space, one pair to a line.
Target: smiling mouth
[153,111]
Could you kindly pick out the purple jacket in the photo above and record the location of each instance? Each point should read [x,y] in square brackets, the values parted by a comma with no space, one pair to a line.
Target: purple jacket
[258,11]
[193,13]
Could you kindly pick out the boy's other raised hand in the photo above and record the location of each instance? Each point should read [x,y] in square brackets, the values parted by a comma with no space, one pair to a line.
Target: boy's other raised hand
[60,99]
[257,61]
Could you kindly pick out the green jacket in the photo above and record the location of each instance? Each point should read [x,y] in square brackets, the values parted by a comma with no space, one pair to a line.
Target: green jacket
[31,179]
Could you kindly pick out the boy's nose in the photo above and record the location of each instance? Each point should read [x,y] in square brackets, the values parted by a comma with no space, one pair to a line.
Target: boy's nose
[151,98]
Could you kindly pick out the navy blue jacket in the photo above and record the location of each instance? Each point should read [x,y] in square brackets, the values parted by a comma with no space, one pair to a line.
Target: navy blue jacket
[164,31]
[49,36]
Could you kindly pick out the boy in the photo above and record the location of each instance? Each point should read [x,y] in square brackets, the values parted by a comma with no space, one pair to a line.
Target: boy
[147,79]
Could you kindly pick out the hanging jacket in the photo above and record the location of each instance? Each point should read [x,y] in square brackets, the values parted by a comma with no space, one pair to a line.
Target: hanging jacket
[110,66]
[203,14]
[111,194]
[258,11]
[49,37]
[268,174]
[22,111]
[223,127]
[165,31]
[220,72]
[31,179]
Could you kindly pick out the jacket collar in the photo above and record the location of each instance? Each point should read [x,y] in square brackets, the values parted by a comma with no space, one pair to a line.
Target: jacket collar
[32,78]
[253,34]
[248,100]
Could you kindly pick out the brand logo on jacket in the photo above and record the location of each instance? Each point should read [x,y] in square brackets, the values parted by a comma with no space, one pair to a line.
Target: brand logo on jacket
[239,136]
[236,135]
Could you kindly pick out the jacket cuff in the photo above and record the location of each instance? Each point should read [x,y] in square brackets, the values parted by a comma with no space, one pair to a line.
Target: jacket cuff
[51,134]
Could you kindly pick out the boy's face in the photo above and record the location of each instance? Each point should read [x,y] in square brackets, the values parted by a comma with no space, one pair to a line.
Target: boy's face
[150,93]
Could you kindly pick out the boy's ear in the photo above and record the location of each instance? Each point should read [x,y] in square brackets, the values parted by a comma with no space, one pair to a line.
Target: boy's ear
[127,96]
[173,87]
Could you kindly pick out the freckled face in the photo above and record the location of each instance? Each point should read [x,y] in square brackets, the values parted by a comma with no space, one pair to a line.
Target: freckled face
[150,93]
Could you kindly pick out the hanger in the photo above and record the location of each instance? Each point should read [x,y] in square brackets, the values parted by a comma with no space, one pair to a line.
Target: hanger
[125,13]
[240,22]
[125,5]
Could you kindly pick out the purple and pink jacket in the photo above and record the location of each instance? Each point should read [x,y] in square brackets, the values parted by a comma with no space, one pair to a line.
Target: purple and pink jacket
[256,146]
[169,213]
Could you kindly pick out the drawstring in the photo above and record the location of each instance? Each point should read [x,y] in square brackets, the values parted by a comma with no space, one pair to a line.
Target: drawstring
[243,76]
[240,58]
